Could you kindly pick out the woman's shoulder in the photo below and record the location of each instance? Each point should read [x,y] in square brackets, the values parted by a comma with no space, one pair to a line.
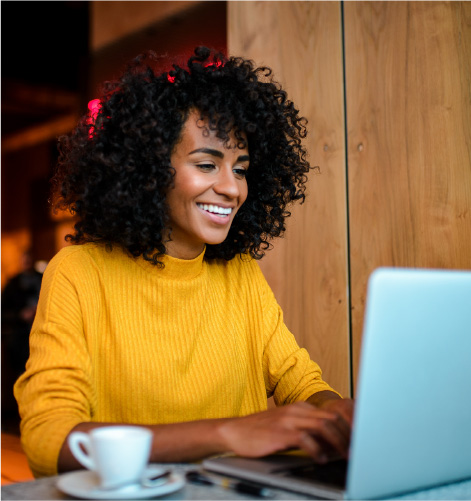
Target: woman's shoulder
[78,251]
[243,268]
[75,257]
[243,262]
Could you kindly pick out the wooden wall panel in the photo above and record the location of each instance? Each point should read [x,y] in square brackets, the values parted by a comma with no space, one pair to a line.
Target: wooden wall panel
[307,269]
[408,74]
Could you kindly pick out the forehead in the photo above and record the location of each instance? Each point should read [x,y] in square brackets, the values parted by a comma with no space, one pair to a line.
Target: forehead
[196,132]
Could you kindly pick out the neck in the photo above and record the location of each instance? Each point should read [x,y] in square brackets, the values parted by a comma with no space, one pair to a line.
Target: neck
[183,252]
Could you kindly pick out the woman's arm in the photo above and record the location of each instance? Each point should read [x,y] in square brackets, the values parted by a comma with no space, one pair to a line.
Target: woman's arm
[316,430]
[177,442]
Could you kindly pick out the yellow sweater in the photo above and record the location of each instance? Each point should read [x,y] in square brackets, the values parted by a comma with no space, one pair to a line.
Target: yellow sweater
[116,339]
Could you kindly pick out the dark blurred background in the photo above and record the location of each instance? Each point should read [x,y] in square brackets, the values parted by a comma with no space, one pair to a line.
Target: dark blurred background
[55,55]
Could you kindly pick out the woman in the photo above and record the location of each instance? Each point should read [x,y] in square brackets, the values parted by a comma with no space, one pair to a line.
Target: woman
[161,316]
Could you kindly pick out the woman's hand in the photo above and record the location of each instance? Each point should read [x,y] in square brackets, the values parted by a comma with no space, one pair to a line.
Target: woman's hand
[321,428]
[343,407]
[317,430]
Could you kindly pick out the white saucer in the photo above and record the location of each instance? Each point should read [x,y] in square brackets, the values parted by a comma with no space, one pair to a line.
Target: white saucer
[84,484]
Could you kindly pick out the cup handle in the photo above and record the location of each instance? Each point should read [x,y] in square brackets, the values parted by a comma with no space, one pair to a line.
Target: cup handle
[77,439]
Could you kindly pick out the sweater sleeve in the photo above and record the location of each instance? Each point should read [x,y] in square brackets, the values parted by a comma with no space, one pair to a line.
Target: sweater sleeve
[290,374]
[55,393]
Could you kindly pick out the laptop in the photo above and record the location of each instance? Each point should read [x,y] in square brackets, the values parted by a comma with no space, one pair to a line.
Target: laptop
[412,424]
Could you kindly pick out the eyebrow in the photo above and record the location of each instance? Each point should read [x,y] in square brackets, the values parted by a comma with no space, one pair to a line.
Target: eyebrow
[209,151]
[219,154]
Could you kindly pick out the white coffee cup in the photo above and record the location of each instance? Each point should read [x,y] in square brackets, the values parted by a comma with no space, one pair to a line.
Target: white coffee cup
[119,455]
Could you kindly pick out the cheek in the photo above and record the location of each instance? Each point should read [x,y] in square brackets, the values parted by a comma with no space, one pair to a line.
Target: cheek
[186,189]
[244,191]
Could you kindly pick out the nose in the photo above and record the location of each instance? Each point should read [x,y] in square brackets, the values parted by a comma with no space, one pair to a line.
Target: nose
[226,183]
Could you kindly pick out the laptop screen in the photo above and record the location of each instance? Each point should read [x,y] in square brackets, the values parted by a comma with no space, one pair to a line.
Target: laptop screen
[413,411]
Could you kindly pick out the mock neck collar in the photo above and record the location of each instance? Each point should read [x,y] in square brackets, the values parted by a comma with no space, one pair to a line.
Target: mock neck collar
[175,268]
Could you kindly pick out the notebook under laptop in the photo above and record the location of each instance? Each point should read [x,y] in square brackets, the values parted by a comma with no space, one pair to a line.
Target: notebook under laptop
[412,426]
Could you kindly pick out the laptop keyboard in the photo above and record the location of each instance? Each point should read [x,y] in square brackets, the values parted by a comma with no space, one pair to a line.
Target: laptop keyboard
[333,473]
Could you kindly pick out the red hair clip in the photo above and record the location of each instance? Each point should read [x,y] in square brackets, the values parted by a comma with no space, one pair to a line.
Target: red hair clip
[94,108]
[218,64]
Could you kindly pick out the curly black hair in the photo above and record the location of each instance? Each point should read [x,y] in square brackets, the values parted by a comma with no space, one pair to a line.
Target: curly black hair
[114,172]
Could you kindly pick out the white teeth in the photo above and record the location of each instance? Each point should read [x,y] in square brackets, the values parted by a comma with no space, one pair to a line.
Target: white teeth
[215,209]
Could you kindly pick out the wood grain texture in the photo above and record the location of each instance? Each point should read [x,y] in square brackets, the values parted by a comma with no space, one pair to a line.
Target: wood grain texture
[307,270]
[408,92]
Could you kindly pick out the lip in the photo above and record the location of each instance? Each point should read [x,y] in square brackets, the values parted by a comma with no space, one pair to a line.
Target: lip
[224,206]
[215,218]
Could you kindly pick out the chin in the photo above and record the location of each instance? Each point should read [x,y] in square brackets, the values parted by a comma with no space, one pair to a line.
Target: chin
[215,241]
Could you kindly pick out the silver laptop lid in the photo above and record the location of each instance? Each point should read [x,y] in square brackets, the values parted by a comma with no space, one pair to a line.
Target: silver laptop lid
[413,411]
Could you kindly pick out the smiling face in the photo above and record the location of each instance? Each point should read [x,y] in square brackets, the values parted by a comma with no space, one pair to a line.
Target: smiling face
[209,188]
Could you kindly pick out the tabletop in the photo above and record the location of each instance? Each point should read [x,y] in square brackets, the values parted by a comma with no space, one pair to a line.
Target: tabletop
[46,489]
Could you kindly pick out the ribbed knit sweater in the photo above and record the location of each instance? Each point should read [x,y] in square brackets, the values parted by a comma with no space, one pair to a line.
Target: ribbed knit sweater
[116,339]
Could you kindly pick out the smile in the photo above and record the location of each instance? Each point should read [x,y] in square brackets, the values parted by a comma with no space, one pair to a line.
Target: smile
[215,209]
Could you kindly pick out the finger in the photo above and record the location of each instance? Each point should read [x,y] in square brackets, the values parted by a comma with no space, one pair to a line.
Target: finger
[329,432]
[329,450]
[342,426]
[303,409]
[333,432]
[312,447]
[315,422]
[346,411]
[344,407]
[338,420]
[339,414]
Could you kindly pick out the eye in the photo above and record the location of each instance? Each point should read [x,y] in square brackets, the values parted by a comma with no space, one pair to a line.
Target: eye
[240,172]
[205,167]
